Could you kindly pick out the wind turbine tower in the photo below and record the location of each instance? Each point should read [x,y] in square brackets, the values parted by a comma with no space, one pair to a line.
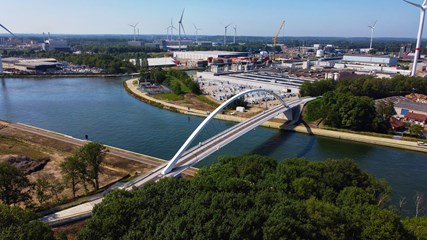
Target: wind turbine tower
[179,28]
[422,8]
[134,30]
[172,28]
[197,32]
[225,34]
[235,33]
[372,33]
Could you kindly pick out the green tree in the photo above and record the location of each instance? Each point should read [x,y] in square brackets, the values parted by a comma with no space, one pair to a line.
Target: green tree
[314,111]
[415,129]
[14,184]
[252,197]
[20,224]
[417,226]
[317,88]
[385,110]
[71,170]
[92,155]
[42,187]
[55,188]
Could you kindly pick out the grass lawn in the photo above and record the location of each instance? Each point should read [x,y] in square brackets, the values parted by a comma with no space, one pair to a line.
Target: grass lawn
[14,146]
[169,96]
[204,99]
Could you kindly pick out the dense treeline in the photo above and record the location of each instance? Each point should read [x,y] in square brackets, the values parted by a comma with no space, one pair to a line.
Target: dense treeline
[253,197]
[372,87]
[178,81]
[22,224]
[110,63]
[349,104]
[113,49]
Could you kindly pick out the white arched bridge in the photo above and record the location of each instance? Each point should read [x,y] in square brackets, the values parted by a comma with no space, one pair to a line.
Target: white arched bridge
[185,158]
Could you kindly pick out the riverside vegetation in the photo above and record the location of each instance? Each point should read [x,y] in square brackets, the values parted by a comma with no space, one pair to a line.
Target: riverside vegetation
[83,167]
[349,104]
[254,197]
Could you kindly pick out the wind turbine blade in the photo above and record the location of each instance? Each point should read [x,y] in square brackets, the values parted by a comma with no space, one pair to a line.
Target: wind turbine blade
[414,4]
[7,30]
[195,26]
[182,15]
[375,23]
[183,29]
[227,25]
[424,3]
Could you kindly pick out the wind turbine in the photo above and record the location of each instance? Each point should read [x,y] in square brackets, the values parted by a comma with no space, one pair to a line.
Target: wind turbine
[134,30]
[167,33]
[197,31]
[225,34]
[372,33]
[423,8]
[179,27]
[172,28]
[235,33]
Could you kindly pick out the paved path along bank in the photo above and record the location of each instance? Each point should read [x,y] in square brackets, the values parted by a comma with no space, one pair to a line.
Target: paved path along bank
[402,144]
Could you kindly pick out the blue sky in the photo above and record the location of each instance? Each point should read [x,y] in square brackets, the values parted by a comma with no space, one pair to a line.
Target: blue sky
[335,18]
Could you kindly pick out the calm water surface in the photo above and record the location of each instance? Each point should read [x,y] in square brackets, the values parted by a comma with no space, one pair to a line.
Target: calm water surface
[101,108]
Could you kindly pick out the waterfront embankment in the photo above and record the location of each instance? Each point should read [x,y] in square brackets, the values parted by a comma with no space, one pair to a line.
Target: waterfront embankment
[118,159]
[134,91]
[388,142]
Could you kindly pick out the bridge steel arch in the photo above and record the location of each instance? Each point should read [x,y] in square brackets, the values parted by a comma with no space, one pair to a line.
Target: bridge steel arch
[202,125]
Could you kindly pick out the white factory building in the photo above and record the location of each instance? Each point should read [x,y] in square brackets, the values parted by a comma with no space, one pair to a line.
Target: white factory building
[374,65]
[56,45]
[206,55]
[372,60]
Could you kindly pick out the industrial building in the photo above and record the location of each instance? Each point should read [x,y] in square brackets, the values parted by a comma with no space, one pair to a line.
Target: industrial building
[405,106]
[174,45]
[161,62]
[56,45]
[40,65]
[371,60]
[207,55]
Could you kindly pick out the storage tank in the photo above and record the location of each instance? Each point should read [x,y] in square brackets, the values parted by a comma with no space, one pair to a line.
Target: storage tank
[320,53]
[263,54]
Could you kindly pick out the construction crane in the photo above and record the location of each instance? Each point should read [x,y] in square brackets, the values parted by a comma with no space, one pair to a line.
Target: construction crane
[275,39]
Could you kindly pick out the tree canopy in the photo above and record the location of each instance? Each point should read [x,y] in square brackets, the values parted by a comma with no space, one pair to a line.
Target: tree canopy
[14,185]
[367,86]
[21,224]
[253,197]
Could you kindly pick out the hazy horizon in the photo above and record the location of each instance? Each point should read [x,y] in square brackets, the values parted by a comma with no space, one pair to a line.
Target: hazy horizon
[328,18]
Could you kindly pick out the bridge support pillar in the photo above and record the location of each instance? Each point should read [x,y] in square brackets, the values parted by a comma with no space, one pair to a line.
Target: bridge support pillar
[289,114]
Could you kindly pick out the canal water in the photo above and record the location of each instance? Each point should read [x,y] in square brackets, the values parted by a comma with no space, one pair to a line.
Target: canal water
[102,109]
